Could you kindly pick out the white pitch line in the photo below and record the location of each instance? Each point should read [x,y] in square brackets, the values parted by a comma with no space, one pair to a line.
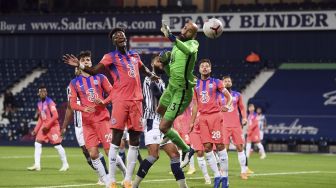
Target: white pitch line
[32,156]
[195,178]
[286,173]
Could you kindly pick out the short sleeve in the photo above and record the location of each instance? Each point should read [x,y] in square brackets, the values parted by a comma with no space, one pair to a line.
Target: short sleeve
[106,60]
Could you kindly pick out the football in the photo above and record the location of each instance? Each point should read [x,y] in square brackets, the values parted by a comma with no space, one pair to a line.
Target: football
[213,28]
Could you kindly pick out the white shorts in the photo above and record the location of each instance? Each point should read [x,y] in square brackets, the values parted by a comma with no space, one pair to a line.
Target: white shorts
[153,134]
[79,136]
[125,135]
[261,135]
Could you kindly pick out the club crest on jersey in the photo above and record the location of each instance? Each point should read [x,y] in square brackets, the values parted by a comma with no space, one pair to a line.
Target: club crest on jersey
[205,97]
[95,82]
[133,60]
[91,94]
[113,121]
[131,72]
[210,85]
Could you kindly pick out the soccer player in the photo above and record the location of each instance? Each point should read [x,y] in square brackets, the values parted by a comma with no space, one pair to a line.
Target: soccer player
[47,130]
[152,92]
[196,143]
[96,126]
[253,133]
[124,67]
[181,126]
[261,122]
[77,115]
[179,66]
[232,128]
[211,120]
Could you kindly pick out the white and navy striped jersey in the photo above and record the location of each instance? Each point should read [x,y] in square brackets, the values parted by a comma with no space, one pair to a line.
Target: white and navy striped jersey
[261,121]
[150,89]
[77,114]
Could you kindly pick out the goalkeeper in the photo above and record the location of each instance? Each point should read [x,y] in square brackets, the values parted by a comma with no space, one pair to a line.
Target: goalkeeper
[179,65]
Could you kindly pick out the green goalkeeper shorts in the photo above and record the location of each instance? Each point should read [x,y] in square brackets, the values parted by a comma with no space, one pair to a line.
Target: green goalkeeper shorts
[176,100]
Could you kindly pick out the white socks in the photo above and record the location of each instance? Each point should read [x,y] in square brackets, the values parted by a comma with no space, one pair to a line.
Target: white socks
[61,153]
[192,163]
[242,161]
[37,154]
[132,156]
[202,165]
[211,159]
[248,150]
[224,162]
[120,164]
[261,148]
[113,153]
[100,169]
[182,183]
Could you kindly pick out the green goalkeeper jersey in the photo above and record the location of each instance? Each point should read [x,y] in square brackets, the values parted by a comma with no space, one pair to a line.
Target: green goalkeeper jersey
[182,62]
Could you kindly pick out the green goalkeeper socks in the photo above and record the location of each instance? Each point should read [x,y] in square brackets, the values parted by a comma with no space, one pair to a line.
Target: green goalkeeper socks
[177,140]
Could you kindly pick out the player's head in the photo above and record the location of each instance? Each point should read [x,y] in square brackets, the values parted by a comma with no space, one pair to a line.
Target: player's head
[189,31]
[156,64]
[85,58]
[251,108]
[259,110]
[118,37]
[42,92]
[205,67]
[227,81]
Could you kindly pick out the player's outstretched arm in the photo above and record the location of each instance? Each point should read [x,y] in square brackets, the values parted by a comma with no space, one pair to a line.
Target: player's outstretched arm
[72,60]
[228,98]
[107,87]
[143,69]
[242,110]
[54,115]
[37,127]
[194,111]
[187,48]
[67,118]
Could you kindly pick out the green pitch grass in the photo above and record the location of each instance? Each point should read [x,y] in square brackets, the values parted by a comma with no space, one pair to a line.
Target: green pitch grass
[277,170]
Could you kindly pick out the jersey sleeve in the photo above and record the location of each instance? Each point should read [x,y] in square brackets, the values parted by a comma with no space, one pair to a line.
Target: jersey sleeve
[73,99]
[107,88]
[241,107]
[106,60]
[140,63]
[53,111]
[189,47]
[220,85]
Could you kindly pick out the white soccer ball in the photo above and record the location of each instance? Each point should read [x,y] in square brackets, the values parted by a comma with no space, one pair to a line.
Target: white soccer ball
[213,28]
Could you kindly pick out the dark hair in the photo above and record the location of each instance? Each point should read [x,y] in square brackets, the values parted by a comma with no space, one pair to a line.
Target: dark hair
[42,86]
[114,31]
[204,61]
[154,57]
[226,76]
[82,54]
